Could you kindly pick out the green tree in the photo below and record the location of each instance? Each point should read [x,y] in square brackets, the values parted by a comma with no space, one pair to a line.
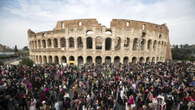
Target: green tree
[26,61]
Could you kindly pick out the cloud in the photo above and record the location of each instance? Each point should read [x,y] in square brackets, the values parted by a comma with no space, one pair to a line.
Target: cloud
[41,15]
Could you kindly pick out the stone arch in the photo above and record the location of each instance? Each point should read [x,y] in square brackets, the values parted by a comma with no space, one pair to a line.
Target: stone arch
[89,43]
[62,42]
[44,43]
[71,42]
[79,42]
[71,60]
[49,42]
[56,60]
[125,60]
[44,59]
[118,43]
[108,31]
[154,45]
[37,58]
[116,60]
[89,32]
[89,60]
[143,42]
[108,60]
[98,60]
[40,59]
[80,60]
[143,34]
[135,43]
[127,42]
[157,59]
[50,59]
[149,44]
[141,59]
[55,43]
[108,43]
[134,60]
[147,59]
[153,59]
[63,59]
[35,44]
[39,43]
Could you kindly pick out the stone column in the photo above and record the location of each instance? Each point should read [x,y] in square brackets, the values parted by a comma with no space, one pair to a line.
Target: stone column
[113,44]
[75,43]
[103,44]
[59,44]
[93,38]
[60,60]
[84,44]
[52,43]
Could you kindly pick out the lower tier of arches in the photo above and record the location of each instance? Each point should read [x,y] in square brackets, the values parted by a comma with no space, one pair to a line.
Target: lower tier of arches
[79,60]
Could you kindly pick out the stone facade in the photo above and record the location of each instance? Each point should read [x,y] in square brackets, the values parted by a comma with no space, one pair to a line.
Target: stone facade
[87,41]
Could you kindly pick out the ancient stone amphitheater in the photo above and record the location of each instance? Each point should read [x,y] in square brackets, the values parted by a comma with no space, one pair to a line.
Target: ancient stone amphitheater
[84,41]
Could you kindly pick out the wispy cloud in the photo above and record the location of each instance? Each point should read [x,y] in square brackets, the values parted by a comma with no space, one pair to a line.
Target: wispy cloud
[40,15]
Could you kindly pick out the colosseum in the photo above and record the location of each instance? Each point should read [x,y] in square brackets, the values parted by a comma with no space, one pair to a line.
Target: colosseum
[85,41]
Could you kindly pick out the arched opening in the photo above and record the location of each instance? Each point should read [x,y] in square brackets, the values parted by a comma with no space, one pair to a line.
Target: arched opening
[62,42]
[143,44]
[50,59]
[63,59]
[55,43]
[98,42]
[108,44]
[153,59]
[116,60]
[80,60]
[36,44]
[108,31]
[141,59]
[89,60]
[118,43]
[127,42]
[79,42]
[149,44]
[71,60]
[157,59]
[56,60]
[40,59]
[108,60]
[44,43]
[135,44]
[125,60]
[71,42]
[39,44]
[147,59]
[89,43]
[154,45]
[134,60]
[49,42]
[98,60]
[89,32]
[44,59]
[143,34]
[37,58]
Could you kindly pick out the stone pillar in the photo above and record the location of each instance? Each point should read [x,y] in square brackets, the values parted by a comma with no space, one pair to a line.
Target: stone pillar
[84,44]
[52,43]
[93,46]
[59,44]
[46,44]
[67,43]
[60,60]
[103,44]
[122,43]
[75,43]
[113,44]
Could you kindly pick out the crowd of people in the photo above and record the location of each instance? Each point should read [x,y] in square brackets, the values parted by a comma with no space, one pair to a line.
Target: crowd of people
[142,86]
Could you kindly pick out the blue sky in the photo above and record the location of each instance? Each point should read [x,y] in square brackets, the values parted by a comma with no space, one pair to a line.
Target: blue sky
[17,16]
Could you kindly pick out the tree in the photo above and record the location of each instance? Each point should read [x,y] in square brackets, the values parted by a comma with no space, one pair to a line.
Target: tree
[26,61]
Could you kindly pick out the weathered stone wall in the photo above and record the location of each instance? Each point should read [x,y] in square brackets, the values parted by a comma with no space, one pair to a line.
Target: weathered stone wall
[86,41]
